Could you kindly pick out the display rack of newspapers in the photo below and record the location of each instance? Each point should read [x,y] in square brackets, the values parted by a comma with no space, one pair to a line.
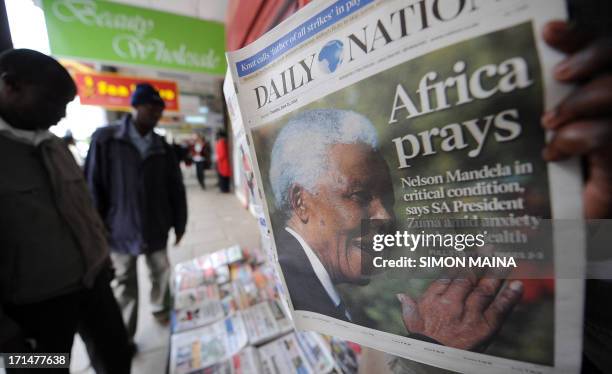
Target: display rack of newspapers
[383,134]
[228,318]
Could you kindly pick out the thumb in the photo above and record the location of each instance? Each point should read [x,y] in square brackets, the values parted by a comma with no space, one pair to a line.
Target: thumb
[410,312]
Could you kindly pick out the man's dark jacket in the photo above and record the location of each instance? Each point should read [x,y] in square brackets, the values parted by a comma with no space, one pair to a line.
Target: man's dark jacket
[306,291]
[139,199]
[52,241]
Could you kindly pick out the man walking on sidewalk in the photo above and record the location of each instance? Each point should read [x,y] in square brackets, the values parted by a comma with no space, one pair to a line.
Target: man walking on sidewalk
[138,189]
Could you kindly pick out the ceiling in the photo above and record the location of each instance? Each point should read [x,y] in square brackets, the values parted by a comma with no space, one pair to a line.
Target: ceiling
[214,10]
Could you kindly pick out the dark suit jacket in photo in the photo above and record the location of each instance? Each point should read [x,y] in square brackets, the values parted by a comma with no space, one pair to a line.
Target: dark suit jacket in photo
[305,289]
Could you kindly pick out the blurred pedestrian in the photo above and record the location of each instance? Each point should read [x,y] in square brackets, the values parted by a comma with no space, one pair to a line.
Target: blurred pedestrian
[223,164]
[138,189]
[54,258]
[200,154]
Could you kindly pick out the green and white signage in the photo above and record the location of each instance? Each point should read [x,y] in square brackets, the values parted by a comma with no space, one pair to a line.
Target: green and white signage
[98,30]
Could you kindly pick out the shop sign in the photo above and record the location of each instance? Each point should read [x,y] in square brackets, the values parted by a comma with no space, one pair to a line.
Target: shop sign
[114,91]
[105,31]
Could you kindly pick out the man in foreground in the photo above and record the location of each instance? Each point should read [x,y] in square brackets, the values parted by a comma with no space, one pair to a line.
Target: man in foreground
[54,276]
[138,189]
[341,180]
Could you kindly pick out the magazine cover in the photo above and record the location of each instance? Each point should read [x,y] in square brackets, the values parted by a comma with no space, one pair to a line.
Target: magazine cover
[191,274]
[398,146]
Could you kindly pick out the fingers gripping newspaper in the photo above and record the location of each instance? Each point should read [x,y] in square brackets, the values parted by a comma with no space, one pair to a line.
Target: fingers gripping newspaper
[375,126]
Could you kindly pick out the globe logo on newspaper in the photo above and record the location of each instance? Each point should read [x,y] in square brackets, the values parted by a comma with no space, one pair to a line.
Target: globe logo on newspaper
[330,56]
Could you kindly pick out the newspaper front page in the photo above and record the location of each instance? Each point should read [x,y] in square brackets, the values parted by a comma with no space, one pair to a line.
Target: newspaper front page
[374,125]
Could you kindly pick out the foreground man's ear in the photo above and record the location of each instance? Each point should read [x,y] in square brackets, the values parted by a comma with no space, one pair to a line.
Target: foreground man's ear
[10,80]
[298,203]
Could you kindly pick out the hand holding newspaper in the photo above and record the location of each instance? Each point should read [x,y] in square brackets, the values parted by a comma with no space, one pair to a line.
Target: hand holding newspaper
[421,118]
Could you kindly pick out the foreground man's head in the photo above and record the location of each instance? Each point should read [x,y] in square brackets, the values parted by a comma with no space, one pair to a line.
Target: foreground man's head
[327,176]
[34,89]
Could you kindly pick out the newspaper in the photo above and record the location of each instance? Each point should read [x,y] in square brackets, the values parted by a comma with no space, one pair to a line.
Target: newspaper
[244,362]
[297,352]
[190,297]
[419,116]
[205,312]
[207,346]
[265,321]
[316,351]
[284,356]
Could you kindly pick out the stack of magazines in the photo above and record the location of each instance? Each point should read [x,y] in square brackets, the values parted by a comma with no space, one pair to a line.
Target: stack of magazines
[228,318]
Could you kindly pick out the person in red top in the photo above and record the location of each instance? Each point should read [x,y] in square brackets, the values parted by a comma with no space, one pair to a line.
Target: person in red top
[223,163]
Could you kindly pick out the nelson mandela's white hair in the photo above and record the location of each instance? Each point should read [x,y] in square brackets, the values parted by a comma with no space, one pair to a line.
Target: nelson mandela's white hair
[300,151]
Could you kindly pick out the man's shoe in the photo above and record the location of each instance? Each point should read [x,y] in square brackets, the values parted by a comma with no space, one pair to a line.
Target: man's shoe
[163,317]
[133,349]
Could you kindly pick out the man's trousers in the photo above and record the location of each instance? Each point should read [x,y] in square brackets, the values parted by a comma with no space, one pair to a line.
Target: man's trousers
[125,285]
[50,327]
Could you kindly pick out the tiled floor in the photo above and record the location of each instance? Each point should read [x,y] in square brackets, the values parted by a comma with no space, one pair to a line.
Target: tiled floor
[215,221]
